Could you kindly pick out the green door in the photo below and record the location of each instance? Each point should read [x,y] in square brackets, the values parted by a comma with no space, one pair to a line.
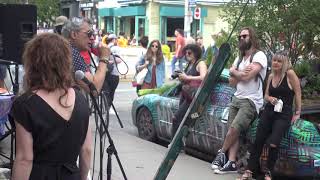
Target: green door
[140,26]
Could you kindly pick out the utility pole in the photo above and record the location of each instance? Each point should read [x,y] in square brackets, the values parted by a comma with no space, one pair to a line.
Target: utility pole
[187,17]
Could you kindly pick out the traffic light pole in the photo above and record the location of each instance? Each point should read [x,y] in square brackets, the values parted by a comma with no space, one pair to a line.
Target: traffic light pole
[187,18]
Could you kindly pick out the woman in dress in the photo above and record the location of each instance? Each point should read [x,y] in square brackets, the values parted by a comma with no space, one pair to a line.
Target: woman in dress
[283,87]
[153,60]
[51,117]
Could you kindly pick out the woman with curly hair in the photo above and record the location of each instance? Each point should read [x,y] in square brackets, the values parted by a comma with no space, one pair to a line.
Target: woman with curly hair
[51,117]
[154,62]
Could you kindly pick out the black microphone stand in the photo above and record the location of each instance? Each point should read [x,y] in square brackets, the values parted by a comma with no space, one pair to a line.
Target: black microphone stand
[111,149]
[106,102]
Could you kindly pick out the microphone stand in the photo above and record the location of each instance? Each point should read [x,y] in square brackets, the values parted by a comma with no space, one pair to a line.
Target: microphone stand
[111,149]
[106,95]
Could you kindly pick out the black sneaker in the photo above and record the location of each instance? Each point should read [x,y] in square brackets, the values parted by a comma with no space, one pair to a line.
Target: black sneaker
[229,167]
[219,161]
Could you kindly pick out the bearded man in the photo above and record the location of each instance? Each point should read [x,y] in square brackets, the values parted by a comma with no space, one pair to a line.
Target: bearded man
[247,100]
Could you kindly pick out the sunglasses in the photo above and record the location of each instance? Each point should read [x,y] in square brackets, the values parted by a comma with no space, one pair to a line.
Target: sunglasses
[155,46]
[243,36]
[188,53]
[89,33]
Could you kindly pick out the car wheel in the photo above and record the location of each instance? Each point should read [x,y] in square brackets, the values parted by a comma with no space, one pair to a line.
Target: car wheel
[145,125]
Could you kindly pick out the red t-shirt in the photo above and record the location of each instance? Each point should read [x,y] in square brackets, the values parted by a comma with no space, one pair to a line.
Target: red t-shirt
[86,56]
[180,41]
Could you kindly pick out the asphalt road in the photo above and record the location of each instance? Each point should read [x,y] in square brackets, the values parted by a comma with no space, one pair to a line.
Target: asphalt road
[124,96]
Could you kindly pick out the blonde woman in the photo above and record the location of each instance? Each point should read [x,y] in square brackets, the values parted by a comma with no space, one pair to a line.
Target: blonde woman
[283,87]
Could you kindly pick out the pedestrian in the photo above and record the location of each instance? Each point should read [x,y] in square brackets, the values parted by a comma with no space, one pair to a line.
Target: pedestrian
[144,41]
[59,22]
[247,75]
[78,32]
[154,62]
[283,87]
[51,118]
[179,45]
[112,79]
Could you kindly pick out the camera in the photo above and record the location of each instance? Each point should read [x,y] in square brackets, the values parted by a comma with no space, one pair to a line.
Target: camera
[176,74]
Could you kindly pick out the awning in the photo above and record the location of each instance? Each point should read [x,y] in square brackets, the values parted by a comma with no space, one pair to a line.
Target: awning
[130,2]
[196,2]
[123,11]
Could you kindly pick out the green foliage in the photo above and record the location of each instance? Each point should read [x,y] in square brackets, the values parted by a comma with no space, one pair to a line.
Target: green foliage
[159,91]
[312,88]
[302,68]
[280,24]
[222,38]
[209,56]
[47,10]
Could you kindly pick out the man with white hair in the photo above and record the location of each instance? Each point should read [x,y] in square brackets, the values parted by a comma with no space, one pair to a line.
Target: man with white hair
[78,32]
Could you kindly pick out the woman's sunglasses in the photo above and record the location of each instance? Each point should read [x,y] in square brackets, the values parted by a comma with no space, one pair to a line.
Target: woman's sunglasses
[155,46]
[188,53]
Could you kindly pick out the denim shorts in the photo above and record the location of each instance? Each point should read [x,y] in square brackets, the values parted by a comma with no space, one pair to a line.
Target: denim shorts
[241,113]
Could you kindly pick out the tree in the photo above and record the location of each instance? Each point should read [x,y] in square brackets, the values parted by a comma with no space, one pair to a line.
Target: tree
[280,24]
[47,10]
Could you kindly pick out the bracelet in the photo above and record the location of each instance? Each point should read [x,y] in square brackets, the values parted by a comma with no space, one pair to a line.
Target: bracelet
[104,60]
[297,112]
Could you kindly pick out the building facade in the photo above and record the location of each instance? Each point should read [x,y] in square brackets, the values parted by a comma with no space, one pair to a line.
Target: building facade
[80,8]
[159,18]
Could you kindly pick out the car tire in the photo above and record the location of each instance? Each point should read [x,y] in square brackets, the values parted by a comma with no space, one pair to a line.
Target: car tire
[145,125]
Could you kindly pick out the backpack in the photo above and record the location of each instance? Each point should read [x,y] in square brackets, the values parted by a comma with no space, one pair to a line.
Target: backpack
[259,77]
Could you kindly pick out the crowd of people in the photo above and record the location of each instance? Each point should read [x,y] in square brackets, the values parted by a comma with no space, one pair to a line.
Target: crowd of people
[51,136]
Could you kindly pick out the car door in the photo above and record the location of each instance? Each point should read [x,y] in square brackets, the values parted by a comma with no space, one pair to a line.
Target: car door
[166,107]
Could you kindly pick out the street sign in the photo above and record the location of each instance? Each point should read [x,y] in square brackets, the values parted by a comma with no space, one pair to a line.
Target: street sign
[197,13]
[192,2]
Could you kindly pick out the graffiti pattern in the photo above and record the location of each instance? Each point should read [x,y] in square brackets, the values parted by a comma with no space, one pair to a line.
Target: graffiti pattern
[299,153]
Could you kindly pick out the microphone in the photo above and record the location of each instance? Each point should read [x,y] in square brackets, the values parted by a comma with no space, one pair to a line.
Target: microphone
[79,76]
[6,62]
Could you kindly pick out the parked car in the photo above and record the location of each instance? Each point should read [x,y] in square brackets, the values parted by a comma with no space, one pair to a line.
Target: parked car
[299,153]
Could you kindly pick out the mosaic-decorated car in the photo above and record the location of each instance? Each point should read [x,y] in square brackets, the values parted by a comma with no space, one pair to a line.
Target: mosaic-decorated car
[299,153]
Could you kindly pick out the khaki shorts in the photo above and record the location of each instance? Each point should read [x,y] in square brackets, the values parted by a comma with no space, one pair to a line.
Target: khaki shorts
[241,113]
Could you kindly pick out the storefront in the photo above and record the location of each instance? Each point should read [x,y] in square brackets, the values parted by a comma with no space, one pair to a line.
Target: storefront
[129,19]
[159,18]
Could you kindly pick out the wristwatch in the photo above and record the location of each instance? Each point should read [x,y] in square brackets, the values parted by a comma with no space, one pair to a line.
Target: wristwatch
[104,60]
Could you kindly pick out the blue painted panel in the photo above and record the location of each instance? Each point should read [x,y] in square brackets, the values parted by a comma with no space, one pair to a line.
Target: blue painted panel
[178,11]
[123,11]
[174,11]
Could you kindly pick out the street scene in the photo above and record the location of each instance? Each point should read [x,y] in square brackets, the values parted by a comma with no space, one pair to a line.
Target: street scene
[159,89]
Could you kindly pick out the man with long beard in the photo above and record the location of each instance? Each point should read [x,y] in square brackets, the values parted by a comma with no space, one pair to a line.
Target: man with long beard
[247,75]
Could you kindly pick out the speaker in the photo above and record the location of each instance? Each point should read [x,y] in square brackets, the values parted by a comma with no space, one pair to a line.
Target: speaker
[18,24]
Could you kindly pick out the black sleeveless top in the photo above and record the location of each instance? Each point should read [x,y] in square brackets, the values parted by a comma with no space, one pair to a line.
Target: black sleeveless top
[284,93]
[191,70]
[56,142]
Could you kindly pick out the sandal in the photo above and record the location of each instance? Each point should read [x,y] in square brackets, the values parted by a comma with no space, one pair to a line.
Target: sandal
[247,175]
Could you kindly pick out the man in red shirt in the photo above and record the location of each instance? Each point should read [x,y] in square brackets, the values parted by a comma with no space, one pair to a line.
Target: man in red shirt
[180,43]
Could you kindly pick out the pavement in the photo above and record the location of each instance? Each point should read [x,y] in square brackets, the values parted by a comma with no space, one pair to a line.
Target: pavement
[141,159]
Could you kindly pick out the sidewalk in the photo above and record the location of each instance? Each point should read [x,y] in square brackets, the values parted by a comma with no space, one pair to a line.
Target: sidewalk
[141,159]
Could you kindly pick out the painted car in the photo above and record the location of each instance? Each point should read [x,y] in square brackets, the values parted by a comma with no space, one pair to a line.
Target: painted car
[299,153]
